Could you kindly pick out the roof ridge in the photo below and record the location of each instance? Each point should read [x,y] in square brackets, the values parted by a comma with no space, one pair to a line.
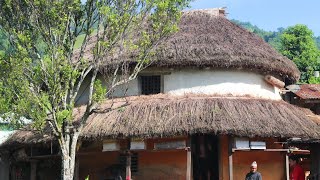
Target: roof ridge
[221,11]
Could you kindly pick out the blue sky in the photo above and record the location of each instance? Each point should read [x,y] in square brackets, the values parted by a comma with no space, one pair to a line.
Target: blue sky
[269,14]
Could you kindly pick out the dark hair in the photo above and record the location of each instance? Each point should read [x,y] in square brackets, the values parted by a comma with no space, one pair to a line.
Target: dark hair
[294,158]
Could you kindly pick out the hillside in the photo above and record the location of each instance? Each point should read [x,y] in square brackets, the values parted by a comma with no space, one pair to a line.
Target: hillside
[272,37]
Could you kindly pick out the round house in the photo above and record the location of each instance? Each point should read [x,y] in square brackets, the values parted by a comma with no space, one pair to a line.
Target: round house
[207,106]
[210,103]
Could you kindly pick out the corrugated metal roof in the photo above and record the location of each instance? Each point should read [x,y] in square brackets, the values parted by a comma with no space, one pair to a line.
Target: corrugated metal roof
[308,91]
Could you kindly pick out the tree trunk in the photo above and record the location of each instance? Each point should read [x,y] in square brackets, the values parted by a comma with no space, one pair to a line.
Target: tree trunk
[67,170]
[68,155]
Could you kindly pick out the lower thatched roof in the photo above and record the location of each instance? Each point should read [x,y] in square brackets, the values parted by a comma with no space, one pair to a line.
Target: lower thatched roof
[163,116]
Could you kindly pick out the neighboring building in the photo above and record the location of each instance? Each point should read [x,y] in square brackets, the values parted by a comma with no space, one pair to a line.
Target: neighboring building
[5,132]
[208,108]
[4,156]
[307,96]
[304,95]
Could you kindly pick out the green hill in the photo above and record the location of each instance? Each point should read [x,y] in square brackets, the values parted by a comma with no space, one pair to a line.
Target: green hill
[271,37]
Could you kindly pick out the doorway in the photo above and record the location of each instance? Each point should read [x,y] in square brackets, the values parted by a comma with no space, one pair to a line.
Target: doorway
[205,157]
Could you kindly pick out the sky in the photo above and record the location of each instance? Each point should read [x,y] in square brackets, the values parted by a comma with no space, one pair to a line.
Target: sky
[269,14]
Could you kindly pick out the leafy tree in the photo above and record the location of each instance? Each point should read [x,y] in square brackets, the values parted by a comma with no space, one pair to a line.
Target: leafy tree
[314,80]
[318,41]
[297,43]
[41,72]
[271,37]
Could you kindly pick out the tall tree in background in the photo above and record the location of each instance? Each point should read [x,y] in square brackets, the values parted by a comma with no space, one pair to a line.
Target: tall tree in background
[318,41]
[271,37]
[298,44]
[40,73]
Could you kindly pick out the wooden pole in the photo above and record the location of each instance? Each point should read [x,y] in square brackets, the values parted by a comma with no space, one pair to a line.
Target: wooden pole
[189,165]
[128,166]
[287,167]
[189,160]
[274,81]
[128,163]
[230,166]
[230,159]
[33,170]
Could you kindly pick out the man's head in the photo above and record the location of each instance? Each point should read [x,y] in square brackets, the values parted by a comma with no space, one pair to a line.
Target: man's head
[293,160]
[254,167]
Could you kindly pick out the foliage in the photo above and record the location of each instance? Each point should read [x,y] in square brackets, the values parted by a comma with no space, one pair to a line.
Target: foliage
[314,80]
[271,37]
[100,91]
[297,43]
[5,127]
[318,41]
[42,62]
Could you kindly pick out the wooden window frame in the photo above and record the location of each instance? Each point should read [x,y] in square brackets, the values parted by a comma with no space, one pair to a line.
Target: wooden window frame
[150,75]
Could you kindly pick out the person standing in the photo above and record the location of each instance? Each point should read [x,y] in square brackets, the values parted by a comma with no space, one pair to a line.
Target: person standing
[297,172]
[253,174]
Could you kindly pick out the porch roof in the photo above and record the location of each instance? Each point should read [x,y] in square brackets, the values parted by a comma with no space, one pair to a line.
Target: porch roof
[164,116]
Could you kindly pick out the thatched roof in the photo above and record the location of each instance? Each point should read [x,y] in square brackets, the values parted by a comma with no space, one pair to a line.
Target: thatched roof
[206,39]
[168,116]
[25,137]
[165,116]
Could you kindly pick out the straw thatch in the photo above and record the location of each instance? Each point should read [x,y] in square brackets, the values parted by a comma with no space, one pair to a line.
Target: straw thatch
[169,116]
[208,40]
[165,116]
[25,137]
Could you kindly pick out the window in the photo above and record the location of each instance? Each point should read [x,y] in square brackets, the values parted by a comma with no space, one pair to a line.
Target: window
[137,145]
[170,145]
[246,143]
[110,146]
[150,84]
[134,163]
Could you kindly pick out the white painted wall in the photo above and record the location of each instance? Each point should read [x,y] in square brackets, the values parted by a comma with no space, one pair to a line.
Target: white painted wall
[129,89]
[200,81]
[218,82]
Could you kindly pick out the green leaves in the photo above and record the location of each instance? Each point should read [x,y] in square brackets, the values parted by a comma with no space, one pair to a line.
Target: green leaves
[297,43]
[64,116]
[99,91]
[44,62]
[314,80]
